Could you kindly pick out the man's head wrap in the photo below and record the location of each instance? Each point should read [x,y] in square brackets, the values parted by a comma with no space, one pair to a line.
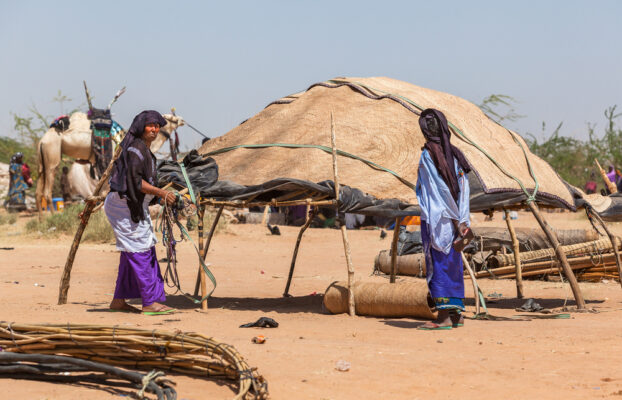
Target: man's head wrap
[434,126]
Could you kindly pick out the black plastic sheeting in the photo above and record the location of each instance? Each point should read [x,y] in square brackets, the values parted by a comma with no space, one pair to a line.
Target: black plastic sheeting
[203,174]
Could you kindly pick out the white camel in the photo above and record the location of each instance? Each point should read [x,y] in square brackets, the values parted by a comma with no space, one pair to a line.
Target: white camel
[75,142]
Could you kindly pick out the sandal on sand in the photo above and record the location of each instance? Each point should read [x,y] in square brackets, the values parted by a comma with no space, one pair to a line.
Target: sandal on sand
[435,327]
[163,312]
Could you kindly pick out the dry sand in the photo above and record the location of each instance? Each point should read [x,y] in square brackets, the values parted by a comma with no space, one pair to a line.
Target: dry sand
[575,358]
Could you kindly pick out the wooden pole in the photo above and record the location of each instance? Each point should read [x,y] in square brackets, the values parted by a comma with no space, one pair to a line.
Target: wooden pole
[264,218]
[201,213]
[516,250]
[208,241]
[84,220]
[614,241]
[561,256]
[396,235]
[465,262]
[295,254]
[344,234]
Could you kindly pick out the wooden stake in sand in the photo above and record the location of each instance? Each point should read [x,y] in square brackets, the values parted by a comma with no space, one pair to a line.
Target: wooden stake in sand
[208,241]
[516,251]
[200,214]
[561,256]
[295,254]
[344,234]
[84,220]
[396,235]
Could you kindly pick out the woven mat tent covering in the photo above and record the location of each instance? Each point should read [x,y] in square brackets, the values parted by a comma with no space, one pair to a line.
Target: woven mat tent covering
[375,120]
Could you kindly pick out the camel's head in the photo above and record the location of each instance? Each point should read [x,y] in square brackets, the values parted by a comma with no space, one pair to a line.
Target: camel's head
[172,122]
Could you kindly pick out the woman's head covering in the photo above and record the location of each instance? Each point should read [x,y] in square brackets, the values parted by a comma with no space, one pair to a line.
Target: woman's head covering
[143,119]
[119,181]
[434,126]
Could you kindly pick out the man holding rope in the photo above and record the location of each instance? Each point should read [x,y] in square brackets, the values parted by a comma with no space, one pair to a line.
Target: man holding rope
[443,194]
[132,188]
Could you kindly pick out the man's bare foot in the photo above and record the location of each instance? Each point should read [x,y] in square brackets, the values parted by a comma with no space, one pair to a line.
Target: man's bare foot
[442,321]
[457,319]
[121,305]
[156,307]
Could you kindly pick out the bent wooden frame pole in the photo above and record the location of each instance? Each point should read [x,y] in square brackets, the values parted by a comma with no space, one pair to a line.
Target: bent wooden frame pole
[516,251]
[396,235]
[614,242]
[208,241]
[295,254]
[202,278]
[476,290]
[561,256]
[344,234]
[84,220]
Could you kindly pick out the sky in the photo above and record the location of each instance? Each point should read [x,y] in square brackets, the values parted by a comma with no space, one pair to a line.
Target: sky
[219,63]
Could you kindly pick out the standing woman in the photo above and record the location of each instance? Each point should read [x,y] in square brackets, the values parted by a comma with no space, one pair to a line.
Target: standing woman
[132,188]
[443,194]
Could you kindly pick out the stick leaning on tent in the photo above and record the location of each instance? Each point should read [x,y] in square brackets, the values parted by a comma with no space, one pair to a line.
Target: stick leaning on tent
[84,220]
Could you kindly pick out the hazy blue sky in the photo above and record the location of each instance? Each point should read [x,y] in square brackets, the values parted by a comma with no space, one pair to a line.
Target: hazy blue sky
[220,63]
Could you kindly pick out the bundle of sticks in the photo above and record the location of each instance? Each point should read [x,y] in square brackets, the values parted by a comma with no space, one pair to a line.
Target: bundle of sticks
[591,261]
[191,353]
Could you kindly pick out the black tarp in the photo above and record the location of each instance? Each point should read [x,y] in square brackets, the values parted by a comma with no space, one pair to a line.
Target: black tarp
[203,174]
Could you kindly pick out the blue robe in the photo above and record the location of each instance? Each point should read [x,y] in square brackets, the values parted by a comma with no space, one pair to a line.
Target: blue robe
[17,185]
[444,269]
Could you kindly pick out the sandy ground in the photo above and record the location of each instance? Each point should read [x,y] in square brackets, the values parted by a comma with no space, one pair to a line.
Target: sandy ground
[577,358]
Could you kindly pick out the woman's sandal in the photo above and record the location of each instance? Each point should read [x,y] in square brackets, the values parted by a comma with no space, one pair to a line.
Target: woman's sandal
[162,312]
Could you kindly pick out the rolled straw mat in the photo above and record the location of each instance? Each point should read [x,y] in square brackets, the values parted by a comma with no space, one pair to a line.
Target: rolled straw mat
[381,299]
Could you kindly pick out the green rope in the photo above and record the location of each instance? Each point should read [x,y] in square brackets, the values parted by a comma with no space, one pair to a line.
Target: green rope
[188,184]
[312,146]
[530,196]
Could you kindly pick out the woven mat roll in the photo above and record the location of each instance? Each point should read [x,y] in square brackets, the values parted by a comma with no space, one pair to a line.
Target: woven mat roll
[410,264]
[381,299]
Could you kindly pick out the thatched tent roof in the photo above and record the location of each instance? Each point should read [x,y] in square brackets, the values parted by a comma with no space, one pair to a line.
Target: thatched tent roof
[376,119]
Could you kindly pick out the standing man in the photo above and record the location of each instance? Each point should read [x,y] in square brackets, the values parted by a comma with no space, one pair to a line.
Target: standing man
[443,194]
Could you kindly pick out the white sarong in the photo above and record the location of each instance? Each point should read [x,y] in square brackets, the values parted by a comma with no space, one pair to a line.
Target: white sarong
[131,236]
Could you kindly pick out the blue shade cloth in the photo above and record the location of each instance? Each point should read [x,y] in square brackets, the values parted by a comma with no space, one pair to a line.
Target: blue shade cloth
[438,207]
[449,303]
[444,272]
[140,277]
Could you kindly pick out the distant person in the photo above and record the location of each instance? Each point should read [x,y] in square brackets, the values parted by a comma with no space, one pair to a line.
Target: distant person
[590,186]
[443,193]
[65,187]
[132,187]
[205,140]
[612,176]
[19,182]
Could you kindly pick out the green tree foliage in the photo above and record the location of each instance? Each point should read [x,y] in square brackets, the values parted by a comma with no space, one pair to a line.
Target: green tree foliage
[572,158]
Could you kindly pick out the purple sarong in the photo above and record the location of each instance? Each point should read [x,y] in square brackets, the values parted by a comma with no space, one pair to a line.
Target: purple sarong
[139,276]
[445,274]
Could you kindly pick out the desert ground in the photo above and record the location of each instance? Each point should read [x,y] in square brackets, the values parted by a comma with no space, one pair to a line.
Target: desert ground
[576,358]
